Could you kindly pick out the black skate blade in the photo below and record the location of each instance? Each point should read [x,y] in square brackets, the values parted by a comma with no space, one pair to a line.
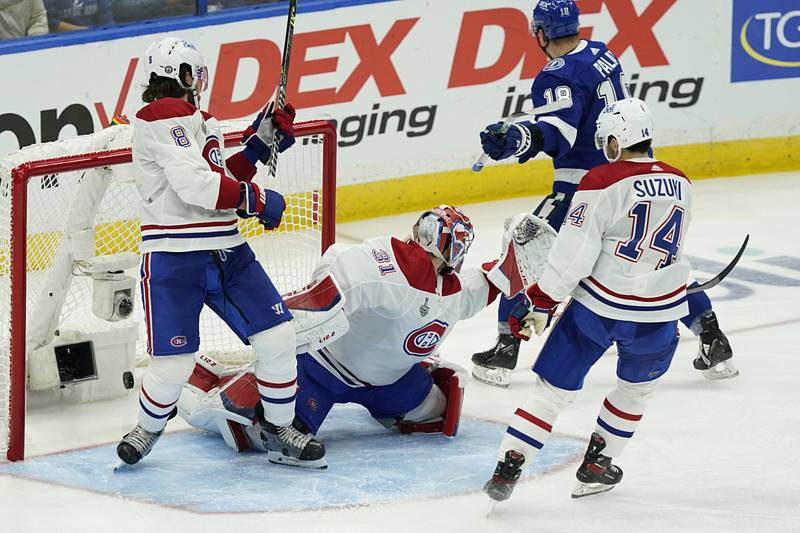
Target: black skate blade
[278,458]
[582,490]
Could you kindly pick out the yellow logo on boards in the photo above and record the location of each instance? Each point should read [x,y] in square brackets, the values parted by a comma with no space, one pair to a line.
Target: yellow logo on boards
[780,35]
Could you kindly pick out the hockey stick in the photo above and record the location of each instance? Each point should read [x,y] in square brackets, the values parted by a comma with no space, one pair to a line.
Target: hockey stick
[547,108]
[281,99]
[725,271]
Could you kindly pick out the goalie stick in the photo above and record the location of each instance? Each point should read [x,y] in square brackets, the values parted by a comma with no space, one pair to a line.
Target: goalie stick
[542,109]
[281,98]
[725,271]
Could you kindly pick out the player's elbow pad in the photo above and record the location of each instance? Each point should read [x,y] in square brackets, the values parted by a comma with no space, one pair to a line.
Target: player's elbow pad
[532,140]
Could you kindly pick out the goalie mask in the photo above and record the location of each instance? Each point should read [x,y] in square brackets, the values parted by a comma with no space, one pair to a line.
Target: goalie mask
[629,121]
[446,233]
[172,58]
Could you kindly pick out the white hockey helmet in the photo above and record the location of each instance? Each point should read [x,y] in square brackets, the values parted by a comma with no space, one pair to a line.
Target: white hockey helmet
[165,58]
[446,233]
[629,121]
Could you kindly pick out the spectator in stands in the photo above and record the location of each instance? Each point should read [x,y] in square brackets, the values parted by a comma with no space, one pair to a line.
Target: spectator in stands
[133,10]
[22,18]
[67,15]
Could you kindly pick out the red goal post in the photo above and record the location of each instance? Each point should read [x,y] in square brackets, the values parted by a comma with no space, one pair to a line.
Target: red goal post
[308,222]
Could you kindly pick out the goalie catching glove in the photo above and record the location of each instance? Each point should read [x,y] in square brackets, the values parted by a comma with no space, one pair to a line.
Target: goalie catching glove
[536,311]
[526,244]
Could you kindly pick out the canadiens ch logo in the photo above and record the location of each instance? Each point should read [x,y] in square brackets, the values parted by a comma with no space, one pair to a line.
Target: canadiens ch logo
[423,341]
[178,341]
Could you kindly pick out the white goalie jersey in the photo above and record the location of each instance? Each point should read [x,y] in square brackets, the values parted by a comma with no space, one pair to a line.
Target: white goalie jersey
[399,309]
[619,251]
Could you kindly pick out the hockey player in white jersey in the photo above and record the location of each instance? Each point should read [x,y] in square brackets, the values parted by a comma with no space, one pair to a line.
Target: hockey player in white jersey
[193,254]
[401,299]
[619,257]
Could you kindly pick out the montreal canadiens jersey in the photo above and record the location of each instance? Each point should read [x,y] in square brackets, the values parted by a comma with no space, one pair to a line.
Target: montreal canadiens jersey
[398,307]
[619,250]
[589,78]
[188,198]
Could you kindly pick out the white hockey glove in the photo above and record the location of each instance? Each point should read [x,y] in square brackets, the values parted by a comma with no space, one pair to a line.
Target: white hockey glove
[526,244]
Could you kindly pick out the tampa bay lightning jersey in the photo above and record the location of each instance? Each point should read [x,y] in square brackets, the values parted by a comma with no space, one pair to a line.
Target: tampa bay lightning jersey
[589,78]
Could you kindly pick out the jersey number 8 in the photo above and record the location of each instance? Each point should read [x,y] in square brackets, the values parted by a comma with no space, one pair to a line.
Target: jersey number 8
[180,137]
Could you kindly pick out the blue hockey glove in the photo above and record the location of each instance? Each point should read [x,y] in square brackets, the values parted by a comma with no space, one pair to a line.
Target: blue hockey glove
[258,137]
[523,140]
[266,204]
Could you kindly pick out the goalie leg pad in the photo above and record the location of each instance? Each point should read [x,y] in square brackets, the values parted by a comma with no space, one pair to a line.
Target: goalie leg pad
[229,413]
[449,379]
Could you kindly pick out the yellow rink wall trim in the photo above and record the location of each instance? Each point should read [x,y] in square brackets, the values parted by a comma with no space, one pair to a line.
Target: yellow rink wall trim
[497,182]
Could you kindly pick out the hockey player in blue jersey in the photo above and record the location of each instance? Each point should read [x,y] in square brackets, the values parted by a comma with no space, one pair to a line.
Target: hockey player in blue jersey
[589,77]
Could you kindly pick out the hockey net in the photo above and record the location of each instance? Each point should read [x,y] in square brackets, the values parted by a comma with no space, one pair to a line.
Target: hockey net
[67,205]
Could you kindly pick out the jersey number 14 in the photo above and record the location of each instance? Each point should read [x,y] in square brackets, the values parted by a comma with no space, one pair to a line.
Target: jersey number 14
[666,239]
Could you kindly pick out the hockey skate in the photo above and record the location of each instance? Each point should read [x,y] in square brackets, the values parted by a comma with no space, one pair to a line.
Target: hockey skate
[136,444]
[596,474]
[715,353]
[494,365]
[292,446]
[505,477]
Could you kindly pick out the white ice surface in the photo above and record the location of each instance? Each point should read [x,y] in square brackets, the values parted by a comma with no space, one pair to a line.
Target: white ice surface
[708,456]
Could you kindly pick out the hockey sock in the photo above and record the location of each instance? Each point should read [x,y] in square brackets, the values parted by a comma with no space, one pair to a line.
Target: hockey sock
[504,310]
[533,422]
[161,387]
[621,412]
[699,304]
[276,372]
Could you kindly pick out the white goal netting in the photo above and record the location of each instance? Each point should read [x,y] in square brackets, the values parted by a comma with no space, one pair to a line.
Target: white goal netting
[75,218]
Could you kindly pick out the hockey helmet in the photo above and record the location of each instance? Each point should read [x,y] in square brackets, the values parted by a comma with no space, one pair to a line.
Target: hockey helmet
[629,121]
[446,233]
[558,18]
[166,57]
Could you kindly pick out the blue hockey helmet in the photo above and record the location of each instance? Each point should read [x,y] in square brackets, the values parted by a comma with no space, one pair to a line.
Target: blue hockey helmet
[558,18]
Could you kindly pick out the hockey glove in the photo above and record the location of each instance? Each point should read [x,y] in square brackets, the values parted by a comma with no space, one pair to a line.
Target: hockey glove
[523,140]
[266,204]
[258,137]
[535,310]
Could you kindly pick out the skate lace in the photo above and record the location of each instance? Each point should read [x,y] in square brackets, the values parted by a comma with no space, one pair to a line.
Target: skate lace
[142,439]
[293,437]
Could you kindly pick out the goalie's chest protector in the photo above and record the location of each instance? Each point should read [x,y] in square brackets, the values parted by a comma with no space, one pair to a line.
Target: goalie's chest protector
[399,311]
